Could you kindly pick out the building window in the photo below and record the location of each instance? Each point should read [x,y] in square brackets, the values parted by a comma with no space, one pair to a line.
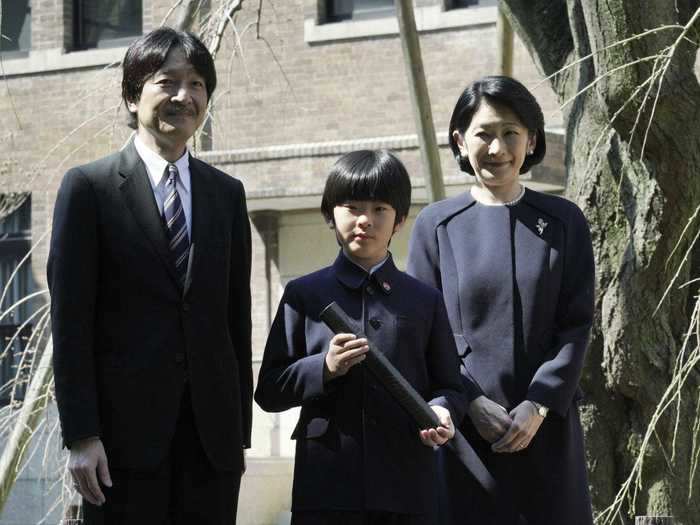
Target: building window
[16,26]
[15,324]
[458,4]
[106,23]
[337,10]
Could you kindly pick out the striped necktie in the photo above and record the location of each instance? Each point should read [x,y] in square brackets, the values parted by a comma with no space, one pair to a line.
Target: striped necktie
[175,224]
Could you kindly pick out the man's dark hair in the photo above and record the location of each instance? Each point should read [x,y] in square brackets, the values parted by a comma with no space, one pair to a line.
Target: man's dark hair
[507,92]
[367,175]
[147,55]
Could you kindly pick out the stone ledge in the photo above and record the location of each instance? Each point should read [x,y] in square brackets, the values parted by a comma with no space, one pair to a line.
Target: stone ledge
[330,148]
[280,199]
[46,60]
[313,149]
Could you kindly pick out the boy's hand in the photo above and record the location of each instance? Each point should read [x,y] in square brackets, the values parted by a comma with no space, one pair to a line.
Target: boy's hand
[442,434]
[344,352]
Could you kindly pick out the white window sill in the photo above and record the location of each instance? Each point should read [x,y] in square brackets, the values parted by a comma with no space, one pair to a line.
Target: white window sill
[431,18]
[44,60]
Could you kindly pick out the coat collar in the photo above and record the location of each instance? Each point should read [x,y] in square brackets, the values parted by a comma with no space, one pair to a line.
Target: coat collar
[353,276]
[456,205]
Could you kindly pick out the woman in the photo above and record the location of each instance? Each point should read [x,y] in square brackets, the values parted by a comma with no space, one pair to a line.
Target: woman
[517,273]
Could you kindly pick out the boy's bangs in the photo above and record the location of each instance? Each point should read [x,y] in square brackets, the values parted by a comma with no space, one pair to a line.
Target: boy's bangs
[366,175]
[362,186]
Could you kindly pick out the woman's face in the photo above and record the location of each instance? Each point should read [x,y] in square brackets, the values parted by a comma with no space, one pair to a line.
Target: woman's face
[496,143]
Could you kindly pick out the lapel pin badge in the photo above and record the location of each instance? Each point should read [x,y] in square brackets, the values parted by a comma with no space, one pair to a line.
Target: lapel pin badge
[541,225]
[386,286]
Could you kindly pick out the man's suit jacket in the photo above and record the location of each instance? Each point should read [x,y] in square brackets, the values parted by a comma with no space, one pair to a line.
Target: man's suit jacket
[126,338]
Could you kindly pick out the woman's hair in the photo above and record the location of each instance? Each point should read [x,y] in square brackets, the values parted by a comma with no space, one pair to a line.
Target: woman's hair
[147,55]
[507,92]
[367,175]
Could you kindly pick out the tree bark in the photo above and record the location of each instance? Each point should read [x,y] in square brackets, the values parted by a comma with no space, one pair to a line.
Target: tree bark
[638,195]
[185,15]
[505,45]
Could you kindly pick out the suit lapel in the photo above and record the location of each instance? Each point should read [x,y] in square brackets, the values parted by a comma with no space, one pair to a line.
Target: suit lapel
[138,194]
[203,199]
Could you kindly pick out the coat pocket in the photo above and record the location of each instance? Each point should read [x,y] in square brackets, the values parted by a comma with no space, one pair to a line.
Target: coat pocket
[310,428]
[410,331]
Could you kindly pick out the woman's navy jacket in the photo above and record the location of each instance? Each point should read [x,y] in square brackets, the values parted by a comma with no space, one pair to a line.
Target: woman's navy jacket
[533,346]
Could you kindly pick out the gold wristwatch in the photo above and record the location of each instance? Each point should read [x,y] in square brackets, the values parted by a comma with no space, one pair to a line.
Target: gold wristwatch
[541,409]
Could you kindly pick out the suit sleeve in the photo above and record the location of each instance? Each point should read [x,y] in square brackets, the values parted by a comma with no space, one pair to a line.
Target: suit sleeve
[289,376]
[556,380]
[424,264]
[240,324]
[443,365]
[72,274]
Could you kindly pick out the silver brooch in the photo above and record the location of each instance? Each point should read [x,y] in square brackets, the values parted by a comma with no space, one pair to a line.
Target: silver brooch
[541,225]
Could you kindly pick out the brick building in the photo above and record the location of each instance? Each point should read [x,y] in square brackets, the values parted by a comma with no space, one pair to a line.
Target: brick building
[321,78]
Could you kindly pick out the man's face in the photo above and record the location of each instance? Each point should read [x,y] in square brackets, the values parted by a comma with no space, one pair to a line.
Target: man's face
[172,105]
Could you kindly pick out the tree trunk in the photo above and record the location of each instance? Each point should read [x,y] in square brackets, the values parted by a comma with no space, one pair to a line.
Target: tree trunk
[420,99]
[638,197]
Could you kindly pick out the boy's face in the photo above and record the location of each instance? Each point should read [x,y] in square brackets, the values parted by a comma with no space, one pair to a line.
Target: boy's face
[364,229]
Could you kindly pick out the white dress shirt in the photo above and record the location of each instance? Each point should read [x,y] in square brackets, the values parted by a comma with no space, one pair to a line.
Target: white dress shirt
[155,166]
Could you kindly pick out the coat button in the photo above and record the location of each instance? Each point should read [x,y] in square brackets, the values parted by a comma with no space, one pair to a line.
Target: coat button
[186,307]
[375,323]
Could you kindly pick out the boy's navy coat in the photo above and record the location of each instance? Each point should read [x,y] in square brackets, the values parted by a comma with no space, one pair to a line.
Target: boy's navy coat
[356,447]
[532,348]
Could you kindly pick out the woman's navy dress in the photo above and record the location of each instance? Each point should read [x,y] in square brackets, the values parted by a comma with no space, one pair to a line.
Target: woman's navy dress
[518,283]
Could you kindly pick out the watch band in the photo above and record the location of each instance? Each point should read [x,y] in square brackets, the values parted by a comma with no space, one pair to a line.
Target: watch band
[541,409]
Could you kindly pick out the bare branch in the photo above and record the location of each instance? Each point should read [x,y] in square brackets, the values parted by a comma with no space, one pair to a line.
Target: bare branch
[229,10]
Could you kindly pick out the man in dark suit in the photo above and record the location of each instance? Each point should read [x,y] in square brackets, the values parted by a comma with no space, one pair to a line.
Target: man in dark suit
[149,273]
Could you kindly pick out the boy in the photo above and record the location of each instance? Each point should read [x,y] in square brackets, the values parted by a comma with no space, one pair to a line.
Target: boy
[359,459]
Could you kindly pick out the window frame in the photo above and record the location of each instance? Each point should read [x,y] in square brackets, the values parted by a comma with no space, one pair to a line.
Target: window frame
[449,5]
[429,18]
[20,52]
[368,14]
[78,32]
[14,246]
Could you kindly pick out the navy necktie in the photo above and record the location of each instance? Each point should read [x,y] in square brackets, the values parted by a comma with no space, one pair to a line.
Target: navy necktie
[175,224]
